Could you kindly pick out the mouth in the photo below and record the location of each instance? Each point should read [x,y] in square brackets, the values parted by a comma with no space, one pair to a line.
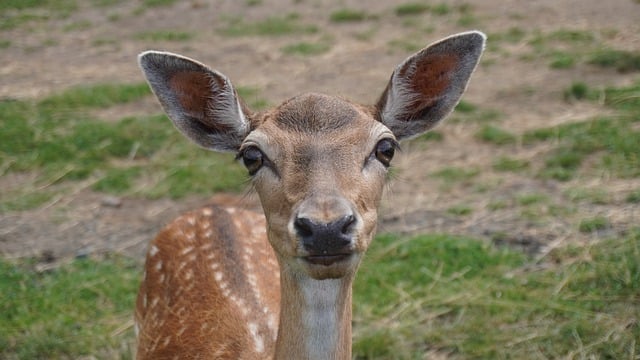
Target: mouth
[327,260]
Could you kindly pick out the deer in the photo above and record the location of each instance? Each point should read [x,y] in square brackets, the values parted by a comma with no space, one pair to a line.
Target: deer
[226,282]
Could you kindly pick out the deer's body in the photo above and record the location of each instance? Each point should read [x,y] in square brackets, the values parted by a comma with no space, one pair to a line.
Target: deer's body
[224,254]
[233,284]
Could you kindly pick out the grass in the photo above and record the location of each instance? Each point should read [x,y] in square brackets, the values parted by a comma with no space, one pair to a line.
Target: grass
[456,174]
[59,140]
[470,300]
[413,8]
[594,224]
[271,26]
[73,311]
[622,61]
[164,35]
[460,296]
[346,15]
[505,163]
[613,140]
[305,48]
[495,135]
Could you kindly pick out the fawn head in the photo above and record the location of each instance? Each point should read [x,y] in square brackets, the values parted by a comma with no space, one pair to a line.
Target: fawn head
[317,162]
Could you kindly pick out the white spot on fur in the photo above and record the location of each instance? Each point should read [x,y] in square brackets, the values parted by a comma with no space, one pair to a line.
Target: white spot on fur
[153,251]
[207,212]
[191,220]
[186,250]
[154,302]
[158,265]
[188,275]
[258,342]
[218,276]
[166,341]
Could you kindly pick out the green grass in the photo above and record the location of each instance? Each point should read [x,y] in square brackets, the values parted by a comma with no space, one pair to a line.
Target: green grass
[456,174]
[348,15]
[164,35]
[460,210]
[474,301]
[59,140]
[594,224]
[580,91]
[16,13]
[306,48]
[562,60]
[73,311]
[468,112]
[505,163]
[633,197]
[612,139]
[412,8]
[441,9]
[495,135]
[271,26]
[622,61]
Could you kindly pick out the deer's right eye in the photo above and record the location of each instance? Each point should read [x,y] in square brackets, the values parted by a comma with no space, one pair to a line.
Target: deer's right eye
[253,159]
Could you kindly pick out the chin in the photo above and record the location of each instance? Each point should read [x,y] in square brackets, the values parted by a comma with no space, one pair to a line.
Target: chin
[334,267]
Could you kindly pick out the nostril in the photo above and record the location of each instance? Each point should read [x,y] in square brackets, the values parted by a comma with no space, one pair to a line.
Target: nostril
[348,222]
[304,227]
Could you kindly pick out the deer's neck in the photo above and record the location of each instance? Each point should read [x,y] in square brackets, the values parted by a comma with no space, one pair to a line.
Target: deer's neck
[315,318]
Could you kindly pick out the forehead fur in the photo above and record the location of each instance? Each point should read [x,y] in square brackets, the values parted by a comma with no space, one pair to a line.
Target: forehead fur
[314,113]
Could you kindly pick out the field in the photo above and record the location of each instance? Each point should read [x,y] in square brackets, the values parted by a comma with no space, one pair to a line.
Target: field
[509,232]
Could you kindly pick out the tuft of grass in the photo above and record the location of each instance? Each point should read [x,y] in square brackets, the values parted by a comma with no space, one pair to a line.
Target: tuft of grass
[512,35]
[251,95]
[271,26]
[562,60]
[579,37]
[505,163]
[580,91]
[164,35]
[594,224]
[633,197]
[531,199]
[306,48]
[412,8]
[593,196]
[460,210]
[622,61]
[441,9]
[495,135]
[465,107]
[348,15]
[155,3]
[405,45]
[456,174]
[73,311]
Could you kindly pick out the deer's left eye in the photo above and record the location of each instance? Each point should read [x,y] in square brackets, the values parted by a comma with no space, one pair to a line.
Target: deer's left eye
[384,151]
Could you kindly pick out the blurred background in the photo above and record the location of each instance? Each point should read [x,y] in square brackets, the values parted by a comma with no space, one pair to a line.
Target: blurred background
[510,231]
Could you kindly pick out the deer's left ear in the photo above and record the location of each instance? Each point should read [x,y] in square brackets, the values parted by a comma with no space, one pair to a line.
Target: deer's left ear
[426,87]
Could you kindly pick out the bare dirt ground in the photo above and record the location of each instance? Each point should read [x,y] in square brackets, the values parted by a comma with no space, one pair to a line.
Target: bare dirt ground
[45,57]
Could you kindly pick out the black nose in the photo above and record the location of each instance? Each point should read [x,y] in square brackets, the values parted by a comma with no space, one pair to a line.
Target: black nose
[320,238]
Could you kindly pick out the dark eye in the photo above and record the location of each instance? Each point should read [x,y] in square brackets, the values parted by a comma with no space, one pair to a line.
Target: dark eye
[252,158]
[385,149]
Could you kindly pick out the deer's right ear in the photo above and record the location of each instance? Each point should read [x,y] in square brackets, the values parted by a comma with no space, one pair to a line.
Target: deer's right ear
[201,102]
